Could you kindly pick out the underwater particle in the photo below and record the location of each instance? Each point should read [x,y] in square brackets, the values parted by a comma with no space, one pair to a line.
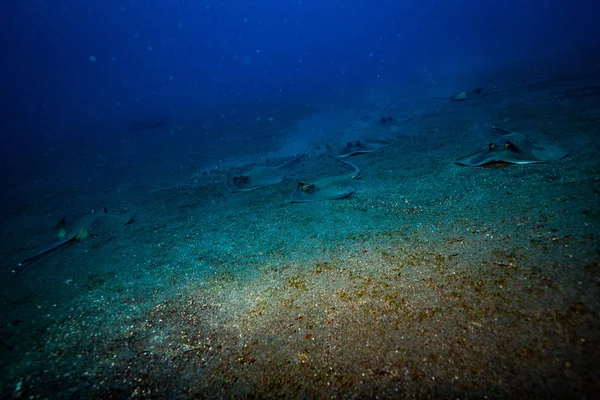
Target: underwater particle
[303,357]
[113,58]
[92,58]
[18,388]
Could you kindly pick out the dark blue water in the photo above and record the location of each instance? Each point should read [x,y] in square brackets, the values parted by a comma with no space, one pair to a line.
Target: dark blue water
[185,59]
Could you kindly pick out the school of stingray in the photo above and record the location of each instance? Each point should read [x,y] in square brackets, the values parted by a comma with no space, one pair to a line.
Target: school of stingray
[511,148]
[320,177]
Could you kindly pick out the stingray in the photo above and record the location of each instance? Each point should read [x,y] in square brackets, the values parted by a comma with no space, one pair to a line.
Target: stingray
[243,180]
[148,124]
[513,148]
[465,95]
[356,147]
[327,188]
[92,224]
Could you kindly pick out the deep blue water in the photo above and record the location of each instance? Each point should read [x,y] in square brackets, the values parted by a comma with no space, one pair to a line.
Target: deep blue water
[178,58]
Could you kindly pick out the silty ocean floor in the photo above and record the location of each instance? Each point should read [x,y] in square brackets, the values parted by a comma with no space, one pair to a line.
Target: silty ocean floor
[432,281]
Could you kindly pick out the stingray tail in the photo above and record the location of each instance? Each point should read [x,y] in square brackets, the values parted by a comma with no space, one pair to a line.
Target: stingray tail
[498,130]
[28,261]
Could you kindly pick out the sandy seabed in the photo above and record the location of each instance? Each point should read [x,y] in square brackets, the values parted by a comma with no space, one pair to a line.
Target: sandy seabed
[432,281]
